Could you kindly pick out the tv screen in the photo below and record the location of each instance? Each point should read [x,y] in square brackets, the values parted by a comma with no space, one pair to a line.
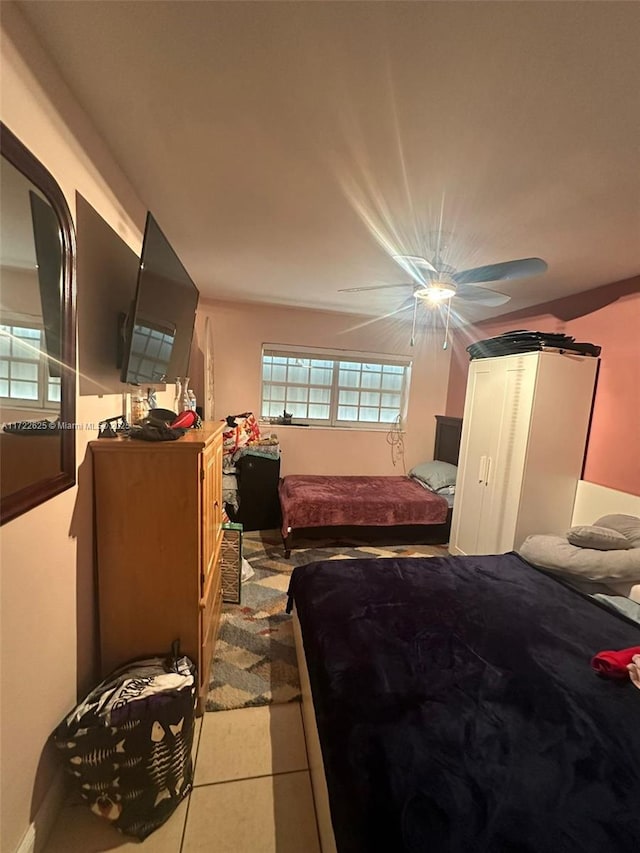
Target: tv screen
[160,325]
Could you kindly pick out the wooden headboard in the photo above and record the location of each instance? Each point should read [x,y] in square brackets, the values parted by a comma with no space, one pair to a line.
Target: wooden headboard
[447,444]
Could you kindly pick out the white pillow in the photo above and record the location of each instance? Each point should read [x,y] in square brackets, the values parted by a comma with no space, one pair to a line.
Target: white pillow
[600,538]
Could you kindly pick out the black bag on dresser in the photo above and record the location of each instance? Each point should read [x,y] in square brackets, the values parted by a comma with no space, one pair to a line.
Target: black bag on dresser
[128,744]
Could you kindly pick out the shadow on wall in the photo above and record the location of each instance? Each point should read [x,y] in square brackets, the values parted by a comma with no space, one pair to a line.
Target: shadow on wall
[581,304]
[81,529]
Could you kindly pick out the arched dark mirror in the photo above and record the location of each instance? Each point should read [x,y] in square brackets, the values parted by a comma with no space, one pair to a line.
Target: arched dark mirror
[37,333]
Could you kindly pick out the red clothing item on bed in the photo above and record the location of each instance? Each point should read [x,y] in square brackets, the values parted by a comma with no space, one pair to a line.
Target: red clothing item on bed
[613,664]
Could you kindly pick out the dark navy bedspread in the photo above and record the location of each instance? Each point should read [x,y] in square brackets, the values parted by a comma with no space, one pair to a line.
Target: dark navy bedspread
[457,710]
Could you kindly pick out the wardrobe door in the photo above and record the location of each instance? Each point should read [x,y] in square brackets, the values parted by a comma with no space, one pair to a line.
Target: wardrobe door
[512,403]
[480,425]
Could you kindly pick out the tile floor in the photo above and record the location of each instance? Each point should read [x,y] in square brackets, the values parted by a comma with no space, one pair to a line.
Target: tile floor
[251,794]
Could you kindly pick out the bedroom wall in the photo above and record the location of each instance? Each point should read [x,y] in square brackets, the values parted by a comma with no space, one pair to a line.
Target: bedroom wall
[239,331]
[610,317]
[47,633]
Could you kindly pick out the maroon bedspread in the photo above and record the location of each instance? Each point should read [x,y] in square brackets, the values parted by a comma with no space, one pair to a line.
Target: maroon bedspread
[317,501]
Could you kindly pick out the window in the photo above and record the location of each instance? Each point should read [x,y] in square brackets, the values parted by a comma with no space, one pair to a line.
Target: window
[333,388]
[24,376]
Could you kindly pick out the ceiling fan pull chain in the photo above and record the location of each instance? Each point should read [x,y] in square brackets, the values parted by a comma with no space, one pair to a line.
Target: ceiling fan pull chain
[413,327]
[446,328]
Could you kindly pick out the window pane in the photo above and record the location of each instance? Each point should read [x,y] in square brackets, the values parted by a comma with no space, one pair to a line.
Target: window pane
[275,409]
[348,398]
[31,335]
[321,376]
[23,348]
[388,416]
[370,398]
[390,400]
[298,373]
[298,410]
[371,379]
[24,370]
[349,378]
[369,415]
[5,344]
[54,391]
[392,382]
[266,372]
[319,395]
[275,392]
[279,373]
[4,369]
[319,412]
[24,390]
[297,395]
[347,413]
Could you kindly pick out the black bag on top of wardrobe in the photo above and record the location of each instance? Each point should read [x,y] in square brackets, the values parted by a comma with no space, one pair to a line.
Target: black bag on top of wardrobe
[523,340]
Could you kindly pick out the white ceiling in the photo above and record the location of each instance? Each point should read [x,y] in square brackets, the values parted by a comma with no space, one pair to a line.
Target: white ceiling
[287,149]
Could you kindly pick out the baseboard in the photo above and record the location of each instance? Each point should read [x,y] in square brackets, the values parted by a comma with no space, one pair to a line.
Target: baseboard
[38,831]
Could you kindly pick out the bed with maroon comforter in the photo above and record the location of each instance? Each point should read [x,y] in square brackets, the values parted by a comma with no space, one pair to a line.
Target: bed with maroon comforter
[399,504]
[320,501]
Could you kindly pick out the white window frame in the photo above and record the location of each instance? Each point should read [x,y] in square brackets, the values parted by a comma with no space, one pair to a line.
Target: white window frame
[43,401]
[336,356]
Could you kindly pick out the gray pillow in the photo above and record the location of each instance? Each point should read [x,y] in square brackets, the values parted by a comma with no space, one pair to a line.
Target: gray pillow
[435,474]
[600,538]
[628,525]
[556,554]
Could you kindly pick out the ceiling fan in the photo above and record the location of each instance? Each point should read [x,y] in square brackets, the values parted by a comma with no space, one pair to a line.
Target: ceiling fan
[437,283]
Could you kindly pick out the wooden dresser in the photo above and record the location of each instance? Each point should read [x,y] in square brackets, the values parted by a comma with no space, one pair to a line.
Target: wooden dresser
[158,509]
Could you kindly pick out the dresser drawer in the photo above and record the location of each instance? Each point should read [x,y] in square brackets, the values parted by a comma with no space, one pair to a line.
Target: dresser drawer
[210,624]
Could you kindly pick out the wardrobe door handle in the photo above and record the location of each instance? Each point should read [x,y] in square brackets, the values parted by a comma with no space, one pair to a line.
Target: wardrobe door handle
[487,471]
[482,469]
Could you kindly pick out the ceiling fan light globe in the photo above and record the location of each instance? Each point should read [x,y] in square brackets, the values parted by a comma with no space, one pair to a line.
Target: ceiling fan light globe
[436,292]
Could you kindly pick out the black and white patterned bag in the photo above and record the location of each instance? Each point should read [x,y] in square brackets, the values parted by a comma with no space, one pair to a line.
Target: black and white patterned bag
[128,744]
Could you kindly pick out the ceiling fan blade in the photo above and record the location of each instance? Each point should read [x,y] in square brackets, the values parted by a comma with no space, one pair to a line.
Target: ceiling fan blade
[375,287]
[502,272]
[414,263]
[481,296]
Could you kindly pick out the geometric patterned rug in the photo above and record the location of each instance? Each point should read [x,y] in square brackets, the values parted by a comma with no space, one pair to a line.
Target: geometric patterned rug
[255,656]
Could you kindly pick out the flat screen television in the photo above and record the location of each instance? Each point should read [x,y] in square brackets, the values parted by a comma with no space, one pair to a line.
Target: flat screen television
[159,328]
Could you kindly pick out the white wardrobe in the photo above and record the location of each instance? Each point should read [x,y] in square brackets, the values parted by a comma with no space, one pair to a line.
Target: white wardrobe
[524,433]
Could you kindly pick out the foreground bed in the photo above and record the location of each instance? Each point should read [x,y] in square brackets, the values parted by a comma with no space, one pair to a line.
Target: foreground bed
[343,503]
[457,710]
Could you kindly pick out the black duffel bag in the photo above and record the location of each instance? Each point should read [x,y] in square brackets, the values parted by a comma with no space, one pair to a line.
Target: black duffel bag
[128,744]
